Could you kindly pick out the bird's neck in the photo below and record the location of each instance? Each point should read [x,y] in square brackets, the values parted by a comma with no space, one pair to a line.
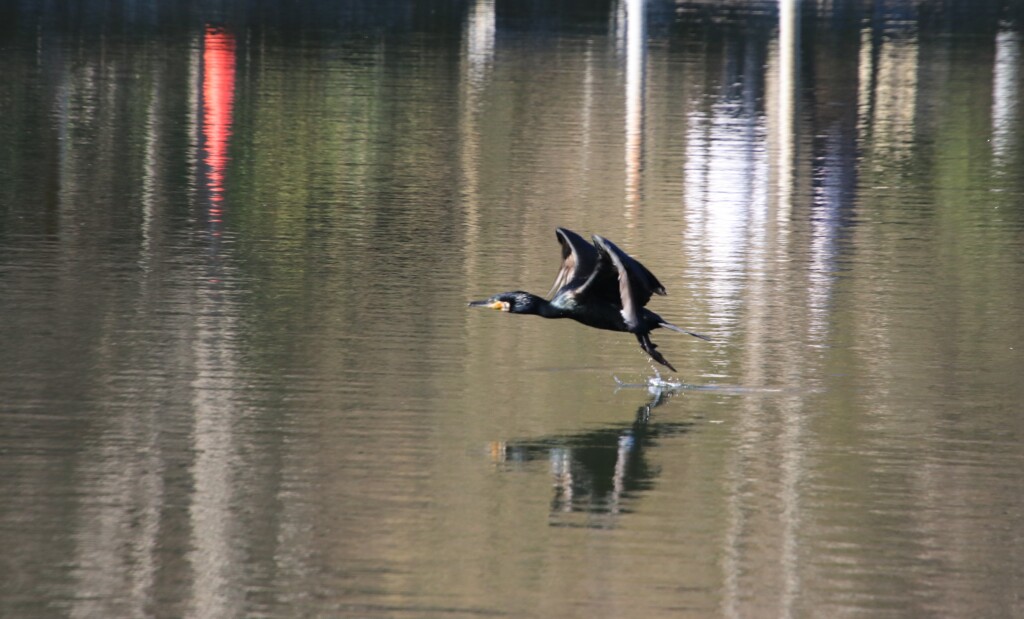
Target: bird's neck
[543,307]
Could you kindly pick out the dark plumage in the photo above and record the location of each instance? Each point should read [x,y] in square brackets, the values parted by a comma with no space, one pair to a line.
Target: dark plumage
[600,286]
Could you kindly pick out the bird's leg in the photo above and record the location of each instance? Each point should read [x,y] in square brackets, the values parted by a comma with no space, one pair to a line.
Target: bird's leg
[650,348]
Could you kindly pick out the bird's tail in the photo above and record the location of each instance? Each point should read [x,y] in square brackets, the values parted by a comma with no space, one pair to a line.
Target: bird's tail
[672,327]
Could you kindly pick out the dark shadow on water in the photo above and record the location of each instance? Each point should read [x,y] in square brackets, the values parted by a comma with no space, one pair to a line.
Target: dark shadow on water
[596,474]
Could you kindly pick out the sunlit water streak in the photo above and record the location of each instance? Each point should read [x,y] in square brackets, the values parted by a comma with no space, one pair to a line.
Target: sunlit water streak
[1005,89]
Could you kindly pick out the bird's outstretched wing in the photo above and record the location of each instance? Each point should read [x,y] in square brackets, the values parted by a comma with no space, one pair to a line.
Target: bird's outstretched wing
[620,280]
[578,259]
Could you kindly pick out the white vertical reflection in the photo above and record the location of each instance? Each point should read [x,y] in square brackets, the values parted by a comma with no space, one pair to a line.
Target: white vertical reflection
[746,237]
[561,471]
[116,541]
[118,480]
[477,59]
[725,176]
[149,174]
[786,90]
[587,113]
[623,452]
[479,36]
[215,560]
[192,154]
[865,88]
[1005,86]
[789,441]
[888,89]
[636,51]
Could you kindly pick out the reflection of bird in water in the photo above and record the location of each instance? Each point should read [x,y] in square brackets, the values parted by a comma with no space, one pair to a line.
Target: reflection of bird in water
[599,472]
[600,286]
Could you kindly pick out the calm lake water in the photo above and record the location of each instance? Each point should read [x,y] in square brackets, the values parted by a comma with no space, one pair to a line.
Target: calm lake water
[238,377]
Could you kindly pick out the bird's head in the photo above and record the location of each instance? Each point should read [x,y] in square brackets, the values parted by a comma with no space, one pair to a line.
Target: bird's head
[516,302]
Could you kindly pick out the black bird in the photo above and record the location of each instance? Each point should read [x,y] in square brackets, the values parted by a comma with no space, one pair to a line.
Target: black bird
[599,285]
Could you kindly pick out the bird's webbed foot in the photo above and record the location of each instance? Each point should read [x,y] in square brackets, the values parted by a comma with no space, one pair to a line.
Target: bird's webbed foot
[651,349]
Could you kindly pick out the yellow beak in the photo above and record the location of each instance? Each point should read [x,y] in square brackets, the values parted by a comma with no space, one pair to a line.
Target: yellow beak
[495,305]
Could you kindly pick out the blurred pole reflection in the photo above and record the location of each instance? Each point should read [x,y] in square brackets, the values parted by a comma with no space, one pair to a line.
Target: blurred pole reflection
[477,58]
[218,101]
[791,437]
[215,559]
[787,91]
[769,241]
[887,81]
[636,57]
[725,177]
[150,171]
[587,112]
[479,37]
[1005,88]
[888,70]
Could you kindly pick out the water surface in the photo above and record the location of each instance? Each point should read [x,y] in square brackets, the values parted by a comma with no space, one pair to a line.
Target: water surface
[238,376]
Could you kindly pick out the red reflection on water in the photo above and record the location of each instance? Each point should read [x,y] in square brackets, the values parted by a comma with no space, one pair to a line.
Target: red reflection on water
[218,98]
